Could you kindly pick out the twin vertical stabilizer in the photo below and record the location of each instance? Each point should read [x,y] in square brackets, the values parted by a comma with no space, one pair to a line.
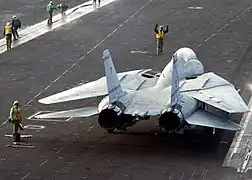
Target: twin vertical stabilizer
[175,92]
[114,86]
[113,83]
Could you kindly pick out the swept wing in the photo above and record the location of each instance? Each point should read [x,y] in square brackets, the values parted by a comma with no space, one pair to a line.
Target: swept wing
[216,92]
[131,80]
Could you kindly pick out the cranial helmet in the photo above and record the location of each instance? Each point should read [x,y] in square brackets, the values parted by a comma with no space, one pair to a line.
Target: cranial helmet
[14,16]
[15,103]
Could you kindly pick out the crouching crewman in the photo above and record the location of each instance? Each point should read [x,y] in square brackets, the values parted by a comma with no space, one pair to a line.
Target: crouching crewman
[62,8]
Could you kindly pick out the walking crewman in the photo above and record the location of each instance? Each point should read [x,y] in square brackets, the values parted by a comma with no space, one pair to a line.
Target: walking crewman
[15,119]
[50,8]
[160,37]
[8,30]
[62,8]
[16,24]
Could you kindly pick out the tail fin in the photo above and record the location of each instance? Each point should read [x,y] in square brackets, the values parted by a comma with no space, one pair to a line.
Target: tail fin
[113,83]
[175,93]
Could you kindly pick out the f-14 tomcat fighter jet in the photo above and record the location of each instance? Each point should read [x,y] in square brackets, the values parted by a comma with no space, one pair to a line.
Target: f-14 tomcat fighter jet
[178,96]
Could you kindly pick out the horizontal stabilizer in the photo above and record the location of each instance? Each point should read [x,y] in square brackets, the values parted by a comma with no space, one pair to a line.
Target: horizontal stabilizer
[202,118]
[82,112]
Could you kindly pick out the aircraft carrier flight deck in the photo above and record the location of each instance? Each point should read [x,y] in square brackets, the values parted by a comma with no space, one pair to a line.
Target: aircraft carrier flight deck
[45,61]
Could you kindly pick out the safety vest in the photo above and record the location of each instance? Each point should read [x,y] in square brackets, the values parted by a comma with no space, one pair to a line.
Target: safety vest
[160,34]
[50,8]
[8,29]
[16,113]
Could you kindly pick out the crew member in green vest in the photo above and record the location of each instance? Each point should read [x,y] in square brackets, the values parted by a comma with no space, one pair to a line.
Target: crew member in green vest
[15,119]
[50,8]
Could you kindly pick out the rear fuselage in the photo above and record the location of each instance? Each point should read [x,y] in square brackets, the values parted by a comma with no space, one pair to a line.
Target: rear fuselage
[112,116]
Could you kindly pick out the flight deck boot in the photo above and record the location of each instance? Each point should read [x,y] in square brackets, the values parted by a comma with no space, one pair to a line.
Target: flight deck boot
[16,137]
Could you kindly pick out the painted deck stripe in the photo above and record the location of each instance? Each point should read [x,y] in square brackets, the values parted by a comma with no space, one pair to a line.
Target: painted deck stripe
[239,135]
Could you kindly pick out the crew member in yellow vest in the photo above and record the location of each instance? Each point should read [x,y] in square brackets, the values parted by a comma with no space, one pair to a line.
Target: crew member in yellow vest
[15,118]
[8,30]
[160,37]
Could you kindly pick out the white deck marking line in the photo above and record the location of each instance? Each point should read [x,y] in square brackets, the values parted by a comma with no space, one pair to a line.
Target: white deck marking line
[26,176]
[182,176]
[243,168]
[4,123]
[33,117]
[192,174]
[245,124]
[195,7]
[61,149]
[170,177]
[70,119]
[73,140]
[30,117]
[20,146]
[43,163]
[48,120]
[22,135]
[79,60]
[204,173]
[245,165]
[245,120]
[223,27]
[91,127]
[140,52]
[41,28]
[34,127]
